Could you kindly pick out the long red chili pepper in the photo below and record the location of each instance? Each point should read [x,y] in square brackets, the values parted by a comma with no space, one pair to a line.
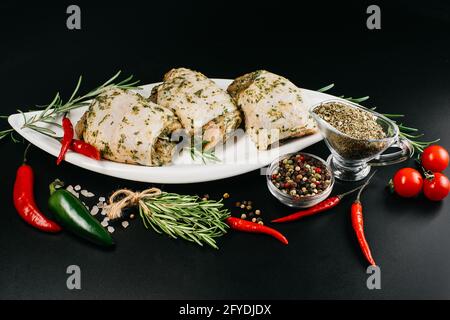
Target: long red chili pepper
[66,140]
[85,149]
[324,205]
[252,227]
[358,224]
[24,201]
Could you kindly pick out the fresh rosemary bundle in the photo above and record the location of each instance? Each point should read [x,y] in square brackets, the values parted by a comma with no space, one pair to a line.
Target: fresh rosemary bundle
[186,217]
[405,132]
[58,107]
[179,216]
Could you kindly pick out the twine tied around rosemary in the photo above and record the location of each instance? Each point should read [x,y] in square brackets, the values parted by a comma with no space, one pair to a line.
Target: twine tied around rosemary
[129,199]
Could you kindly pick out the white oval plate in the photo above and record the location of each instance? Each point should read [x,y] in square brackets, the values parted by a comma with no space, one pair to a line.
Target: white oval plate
[237,158]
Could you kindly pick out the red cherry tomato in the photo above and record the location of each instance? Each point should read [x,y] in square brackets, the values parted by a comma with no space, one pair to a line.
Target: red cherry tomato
[435,158]
[407,182]
[436,188]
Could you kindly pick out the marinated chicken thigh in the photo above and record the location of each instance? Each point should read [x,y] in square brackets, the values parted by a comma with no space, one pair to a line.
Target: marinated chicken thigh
[273,108]
[202,107]
[128,128]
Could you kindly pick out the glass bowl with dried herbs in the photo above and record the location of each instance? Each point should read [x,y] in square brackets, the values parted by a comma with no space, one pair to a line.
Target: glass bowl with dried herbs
[356,136]
[299,179]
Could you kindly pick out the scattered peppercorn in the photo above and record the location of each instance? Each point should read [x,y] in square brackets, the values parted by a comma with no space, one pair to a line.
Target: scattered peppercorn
[226,195]
[254,216]
[260,222]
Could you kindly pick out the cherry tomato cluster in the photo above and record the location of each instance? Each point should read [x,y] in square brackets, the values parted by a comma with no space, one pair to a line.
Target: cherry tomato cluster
[408,182]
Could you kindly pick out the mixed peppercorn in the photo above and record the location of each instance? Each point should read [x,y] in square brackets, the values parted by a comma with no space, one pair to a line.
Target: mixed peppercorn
[250,220]
[250,214]
[301,175]
[245,209]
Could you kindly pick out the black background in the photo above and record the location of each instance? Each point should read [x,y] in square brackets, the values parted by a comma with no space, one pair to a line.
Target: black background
[404,67]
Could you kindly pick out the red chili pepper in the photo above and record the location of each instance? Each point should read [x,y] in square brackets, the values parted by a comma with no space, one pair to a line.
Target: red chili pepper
[24,201]
[252,227]
[66,140]
[324,205]
[358,224]
[85,149]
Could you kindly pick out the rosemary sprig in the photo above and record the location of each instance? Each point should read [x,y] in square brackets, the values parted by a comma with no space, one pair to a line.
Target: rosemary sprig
[184,216]
[5,133]
[418,146]
[351,99]
[57,106]
[198,152]
[326,88]
[10,133]
[204,155]
[355,100]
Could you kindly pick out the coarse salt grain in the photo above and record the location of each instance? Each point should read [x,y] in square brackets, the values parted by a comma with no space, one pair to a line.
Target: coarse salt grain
[76,194]
[87,194]
[103,213]
[104,223]
[72,191]
[94,210]
[102,199]
[77,187]
[110,229]
[125,224]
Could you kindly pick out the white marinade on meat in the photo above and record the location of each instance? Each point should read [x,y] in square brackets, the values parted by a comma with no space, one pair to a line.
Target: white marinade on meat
[199,103]
[273,108]
[128,128]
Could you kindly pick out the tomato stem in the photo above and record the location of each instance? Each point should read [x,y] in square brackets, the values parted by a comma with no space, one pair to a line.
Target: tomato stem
[429,175]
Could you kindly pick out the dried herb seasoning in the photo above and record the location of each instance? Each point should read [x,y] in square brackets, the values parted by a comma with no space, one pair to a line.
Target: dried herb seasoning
[360,134]
[354,122]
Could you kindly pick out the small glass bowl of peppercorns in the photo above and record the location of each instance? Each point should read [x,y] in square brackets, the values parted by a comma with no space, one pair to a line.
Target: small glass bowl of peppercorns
[300,179]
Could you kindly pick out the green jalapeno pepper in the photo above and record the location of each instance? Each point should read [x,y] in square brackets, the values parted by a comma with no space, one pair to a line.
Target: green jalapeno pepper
[73,216]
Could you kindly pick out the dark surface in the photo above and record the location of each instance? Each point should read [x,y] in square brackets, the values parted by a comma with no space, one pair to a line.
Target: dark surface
[404,68]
